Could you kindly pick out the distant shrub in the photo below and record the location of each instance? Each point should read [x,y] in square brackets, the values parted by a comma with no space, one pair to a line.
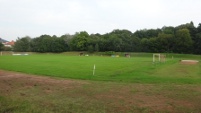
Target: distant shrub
[7,48]
[109,53]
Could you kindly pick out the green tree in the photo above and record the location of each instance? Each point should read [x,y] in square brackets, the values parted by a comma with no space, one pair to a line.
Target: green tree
[119,40]
[199,28]
[183,41]
[79,41]
[197,44]
[135,44]
[197,40]
[166,42]
[7,48]
[114,43]
[46,43]
[153,45]
[58,45]
[1,46]
[90,49]
[190,26]
[147,33]
[67,38]
[144,45]
[22,44]
[35,44]
[96,48]
[168,30]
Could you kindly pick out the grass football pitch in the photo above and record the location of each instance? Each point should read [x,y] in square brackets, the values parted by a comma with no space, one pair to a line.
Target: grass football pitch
[137,69]
[64,83]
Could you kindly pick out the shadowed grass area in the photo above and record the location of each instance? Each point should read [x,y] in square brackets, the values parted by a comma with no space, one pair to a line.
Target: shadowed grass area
[139,68]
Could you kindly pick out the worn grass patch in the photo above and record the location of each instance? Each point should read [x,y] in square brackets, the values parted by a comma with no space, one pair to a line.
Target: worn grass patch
[28,93]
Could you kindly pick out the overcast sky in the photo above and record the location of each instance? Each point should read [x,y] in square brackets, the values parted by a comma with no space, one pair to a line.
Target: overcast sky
[19,18]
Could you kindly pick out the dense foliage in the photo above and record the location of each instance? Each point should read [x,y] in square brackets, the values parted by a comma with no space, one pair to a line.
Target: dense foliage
[1,46]
[185,38]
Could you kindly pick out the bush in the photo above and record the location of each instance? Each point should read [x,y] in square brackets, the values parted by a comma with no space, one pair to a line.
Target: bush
[90,49]
[109,53]
[7,48]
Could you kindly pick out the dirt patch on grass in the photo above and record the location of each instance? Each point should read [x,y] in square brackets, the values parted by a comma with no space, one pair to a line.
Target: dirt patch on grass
[11,81]
[40,79]
[189,62]
[64,95]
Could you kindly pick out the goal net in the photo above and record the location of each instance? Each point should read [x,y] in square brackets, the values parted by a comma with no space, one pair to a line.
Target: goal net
[159,58]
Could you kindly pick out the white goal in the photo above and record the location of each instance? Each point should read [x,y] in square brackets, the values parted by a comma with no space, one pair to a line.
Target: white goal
[159,58]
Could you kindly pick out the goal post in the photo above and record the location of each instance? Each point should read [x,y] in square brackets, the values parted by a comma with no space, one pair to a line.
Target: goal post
[156,55]
[161,58]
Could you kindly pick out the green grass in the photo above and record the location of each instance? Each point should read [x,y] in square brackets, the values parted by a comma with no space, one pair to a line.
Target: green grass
[138,85]
[139,68]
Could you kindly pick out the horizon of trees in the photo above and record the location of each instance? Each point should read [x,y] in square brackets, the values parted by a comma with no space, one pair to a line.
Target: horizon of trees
[185,38]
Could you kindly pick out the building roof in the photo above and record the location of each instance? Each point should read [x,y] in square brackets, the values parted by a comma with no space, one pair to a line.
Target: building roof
[12,43]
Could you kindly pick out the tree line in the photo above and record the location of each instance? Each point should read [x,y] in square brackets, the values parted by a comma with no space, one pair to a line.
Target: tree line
[185,38]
